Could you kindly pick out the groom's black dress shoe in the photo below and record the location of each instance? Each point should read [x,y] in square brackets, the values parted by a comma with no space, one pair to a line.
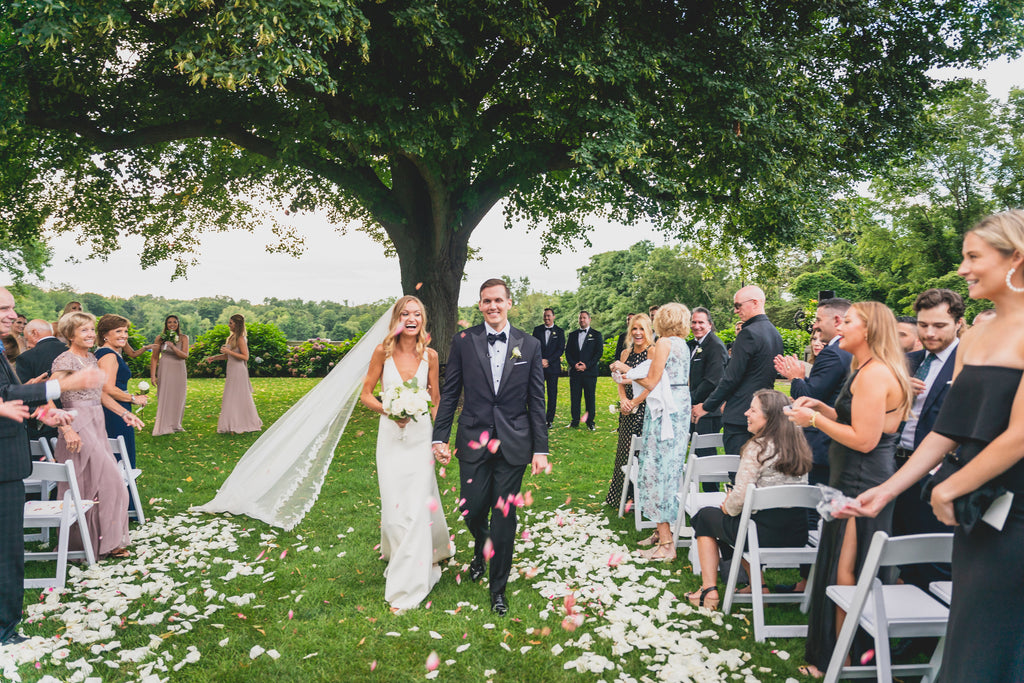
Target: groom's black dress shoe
[477,568]
[17,639]
[499,605]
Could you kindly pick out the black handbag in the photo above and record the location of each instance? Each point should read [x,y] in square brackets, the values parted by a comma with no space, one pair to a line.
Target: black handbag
[969,508]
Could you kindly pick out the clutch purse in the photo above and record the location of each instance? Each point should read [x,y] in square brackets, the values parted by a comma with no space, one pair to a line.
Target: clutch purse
[969,508]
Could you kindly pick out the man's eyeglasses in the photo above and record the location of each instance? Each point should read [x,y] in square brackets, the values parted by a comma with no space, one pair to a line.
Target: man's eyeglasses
[738,304]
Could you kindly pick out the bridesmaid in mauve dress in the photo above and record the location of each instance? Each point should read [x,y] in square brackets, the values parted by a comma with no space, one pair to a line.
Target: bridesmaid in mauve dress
[85,443]
[167,371]
[237,409]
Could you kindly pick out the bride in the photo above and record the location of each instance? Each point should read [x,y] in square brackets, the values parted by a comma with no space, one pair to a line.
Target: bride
[414,533]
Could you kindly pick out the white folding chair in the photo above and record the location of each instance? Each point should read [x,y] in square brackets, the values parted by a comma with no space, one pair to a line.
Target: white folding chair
[129,474]
[943,590]
[897,611]
[756,500]
[61,514]
[631,472]
[711,468]
[40,450]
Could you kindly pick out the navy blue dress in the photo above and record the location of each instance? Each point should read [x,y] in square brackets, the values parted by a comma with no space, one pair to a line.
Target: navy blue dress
[114,422]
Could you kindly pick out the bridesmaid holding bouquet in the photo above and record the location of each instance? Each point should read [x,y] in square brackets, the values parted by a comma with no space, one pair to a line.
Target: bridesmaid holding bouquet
[237,409]
[168,374]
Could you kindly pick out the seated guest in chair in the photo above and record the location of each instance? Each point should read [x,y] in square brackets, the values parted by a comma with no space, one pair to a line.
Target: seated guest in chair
[777,454]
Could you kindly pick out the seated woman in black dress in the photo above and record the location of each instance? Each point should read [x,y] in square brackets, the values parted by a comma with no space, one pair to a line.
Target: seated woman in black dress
[983,415]
[864,428]
[778,454]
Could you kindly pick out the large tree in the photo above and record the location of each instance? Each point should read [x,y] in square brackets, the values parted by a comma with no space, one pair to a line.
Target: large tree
[413,118]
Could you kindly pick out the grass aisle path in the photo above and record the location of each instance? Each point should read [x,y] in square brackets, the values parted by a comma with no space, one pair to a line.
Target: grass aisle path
[216,598]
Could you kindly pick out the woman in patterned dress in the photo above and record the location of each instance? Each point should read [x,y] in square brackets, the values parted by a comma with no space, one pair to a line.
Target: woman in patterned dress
[631,408]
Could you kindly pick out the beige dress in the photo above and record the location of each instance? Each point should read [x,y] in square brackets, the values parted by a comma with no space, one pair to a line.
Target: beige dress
[172,386]
[99,478]
[237,409]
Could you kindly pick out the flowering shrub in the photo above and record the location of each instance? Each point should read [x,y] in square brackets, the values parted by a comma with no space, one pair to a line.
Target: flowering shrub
[314,358]
[268,347]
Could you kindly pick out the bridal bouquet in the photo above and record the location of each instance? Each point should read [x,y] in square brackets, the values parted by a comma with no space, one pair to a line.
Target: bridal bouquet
[169,336]
[407,400]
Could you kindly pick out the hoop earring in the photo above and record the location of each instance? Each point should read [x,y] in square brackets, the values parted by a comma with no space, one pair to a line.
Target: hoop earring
[1010,285]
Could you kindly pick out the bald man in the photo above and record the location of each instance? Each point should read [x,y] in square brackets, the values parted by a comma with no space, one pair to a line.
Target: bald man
[43,347]
[751,367]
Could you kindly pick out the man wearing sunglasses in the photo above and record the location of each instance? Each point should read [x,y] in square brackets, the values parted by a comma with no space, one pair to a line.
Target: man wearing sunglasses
[751,367]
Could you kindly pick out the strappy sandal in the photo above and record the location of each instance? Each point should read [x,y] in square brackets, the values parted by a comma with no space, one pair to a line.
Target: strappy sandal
[811,671]
[702,600]
[651,540]
[652,553]
[121,553]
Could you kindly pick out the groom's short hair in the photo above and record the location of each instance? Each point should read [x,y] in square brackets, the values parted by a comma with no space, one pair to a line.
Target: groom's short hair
[496,282]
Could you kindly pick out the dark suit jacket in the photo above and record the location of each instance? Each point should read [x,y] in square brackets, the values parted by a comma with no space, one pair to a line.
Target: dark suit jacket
[828,374]
[707,367]
[551,351]
[590,354]
[515,415]
[621,344]
[39,358]
[15,458]
[751,367]
[937,394]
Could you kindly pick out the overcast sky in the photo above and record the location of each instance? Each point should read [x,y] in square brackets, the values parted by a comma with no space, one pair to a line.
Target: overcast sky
[352,267]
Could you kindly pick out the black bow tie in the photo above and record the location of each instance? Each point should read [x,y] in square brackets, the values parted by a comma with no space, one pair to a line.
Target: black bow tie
[491,338]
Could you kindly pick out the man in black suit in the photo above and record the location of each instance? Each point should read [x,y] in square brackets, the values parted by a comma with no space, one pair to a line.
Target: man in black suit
[16,464]
[43,347]
[552,345]
[623,341]
[826,378]
[940,317]
[583,349]
[708,358]
[751,367]
[497,370]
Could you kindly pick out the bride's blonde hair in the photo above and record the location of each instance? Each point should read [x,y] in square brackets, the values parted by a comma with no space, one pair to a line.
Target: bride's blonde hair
[396,313]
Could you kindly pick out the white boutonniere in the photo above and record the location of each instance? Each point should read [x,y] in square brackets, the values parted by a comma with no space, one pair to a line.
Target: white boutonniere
[516,353]
[700,350]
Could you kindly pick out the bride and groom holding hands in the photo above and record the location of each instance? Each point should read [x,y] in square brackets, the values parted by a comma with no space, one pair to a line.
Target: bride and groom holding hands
[496,370]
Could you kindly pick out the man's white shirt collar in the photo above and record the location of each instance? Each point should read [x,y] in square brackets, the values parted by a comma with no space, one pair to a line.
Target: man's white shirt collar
[506,329]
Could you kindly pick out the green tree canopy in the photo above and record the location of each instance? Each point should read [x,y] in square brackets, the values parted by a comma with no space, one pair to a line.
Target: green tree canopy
[413,118]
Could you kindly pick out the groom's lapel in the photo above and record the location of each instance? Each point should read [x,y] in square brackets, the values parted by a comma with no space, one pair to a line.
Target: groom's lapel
[515,338]
[480,346]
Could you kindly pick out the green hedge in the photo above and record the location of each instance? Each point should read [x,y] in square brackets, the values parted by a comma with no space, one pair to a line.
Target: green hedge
[268,351]
[315,358]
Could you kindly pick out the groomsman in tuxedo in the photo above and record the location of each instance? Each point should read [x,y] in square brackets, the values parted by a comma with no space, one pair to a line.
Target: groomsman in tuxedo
[751,367]
[708,358]
[623,341]
[43,347]
[552,345]
[16,464]
[583,349]
[940,317]
[497,371]
[825,380]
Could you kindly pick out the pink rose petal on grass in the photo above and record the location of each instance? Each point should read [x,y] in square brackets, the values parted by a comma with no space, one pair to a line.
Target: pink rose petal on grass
[429,603]
[440,472]
[569,603]
[528,498]
[373,665]
[568,500]
[433,661]
[569,624]
[488,549]
[262,552]
[526,534]
[585,417]
[629,505]
[291,614]
[615,559]
[458,579]
[284,552]
[531,572]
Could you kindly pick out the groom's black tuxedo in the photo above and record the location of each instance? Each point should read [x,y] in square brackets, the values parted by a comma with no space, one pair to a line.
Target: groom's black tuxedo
[514,415]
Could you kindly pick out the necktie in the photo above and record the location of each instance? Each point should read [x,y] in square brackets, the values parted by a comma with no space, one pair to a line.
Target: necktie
[922,370]
[491,338]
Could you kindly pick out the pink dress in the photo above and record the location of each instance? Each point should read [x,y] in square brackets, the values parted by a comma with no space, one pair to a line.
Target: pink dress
[171,388]
[99,478]
[237,409]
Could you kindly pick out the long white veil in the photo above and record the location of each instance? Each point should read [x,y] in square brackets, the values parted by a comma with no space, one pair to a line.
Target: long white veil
[279,477]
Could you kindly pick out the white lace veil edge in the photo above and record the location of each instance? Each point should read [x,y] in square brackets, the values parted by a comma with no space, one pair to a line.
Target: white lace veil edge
[280,476]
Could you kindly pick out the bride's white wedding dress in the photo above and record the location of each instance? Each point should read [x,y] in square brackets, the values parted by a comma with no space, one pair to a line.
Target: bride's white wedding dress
[413,531]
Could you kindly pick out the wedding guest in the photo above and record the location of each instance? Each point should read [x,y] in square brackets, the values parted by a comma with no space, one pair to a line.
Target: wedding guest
[940,317]
[69,307]
[11,348]
[85,443]
[112,331]
[632,408]
[863,427]
[552,346]
[666,427]
[18,330]
[813,349]
[652,311]
[583,350]
[15,465]
[983,416]
[237,408]
[623,341]
[906,327]
[168,374]
[708,357]
[750,368]
[777,454]
[36,363]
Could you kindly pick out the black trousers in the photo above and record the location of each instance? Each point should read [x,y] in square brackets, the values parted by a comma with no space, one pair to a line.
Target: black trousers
[587,386]
[482,483]
[734,436]
[914,516]
[12,555]
[551,382]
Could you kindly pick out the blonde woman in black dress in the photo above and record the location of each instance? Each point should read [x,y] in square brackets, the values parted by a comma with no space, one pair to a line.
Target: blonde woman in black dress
[631,408]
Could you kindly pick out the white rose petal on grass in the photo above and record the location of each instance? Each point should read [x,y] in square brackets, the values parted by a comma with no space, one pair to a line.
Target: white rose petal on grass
[435,635]
[273,654]
[224,642]
[255,651]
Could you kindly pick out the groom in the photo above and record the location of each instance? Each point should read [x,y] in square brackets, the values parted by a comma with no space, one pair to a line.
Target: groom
[497,369]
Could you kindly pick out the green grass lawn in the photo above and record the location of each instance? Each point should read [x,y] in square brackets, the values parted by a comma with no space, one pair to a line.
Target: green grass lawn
[322,607]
